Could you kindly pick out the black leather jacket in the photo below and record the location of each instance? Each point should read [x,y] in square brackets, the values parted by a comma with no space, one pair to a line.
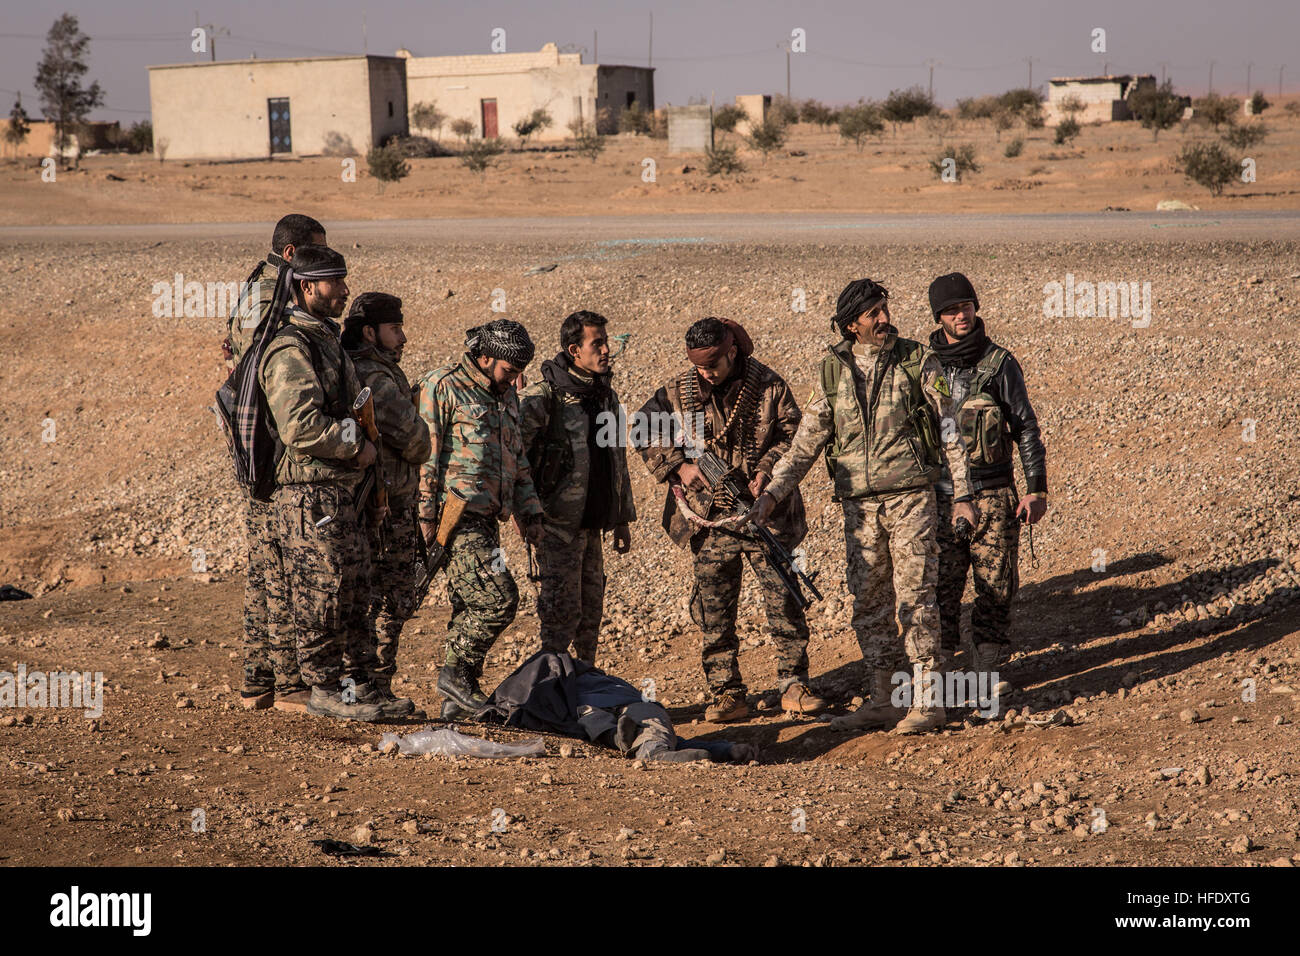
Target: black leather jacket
[1008,387]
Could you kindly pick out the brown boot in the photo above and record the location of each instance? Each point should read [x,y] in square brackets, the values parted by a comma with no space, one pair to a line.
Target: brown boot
[728,706]
[294,702]
[924,715]
[878,711]
[256,698]
[799,699]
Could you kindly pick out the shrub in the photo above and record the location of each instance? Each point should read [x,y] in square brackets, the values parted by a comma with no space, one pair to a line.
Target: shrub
[1071,105]
[1156,107]
[1215,110]
[427,116]
[766,136]
[418,147]
[1245,136]
[139,138]
[1258,104]
[1021,100]
[1003,120]
[586,139]
[387,165]
[1014,147]
[1066,130]
[976,108]
[1208,165]
[634,120]
[960,159]
[534,122]
[726,118]
[859,121]
[479,155]
[812,111]
[903,106]
[464,128]
[784,111]
[722,161]
[940,124]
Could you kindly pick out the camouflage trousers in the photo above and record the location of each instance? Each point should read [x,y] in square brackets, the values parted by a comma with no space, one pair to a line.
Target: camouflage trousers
[892,554]
[327,567]
[270,651]
[571,594]
[714,599]
[992,557]
[392,582]
[482,591]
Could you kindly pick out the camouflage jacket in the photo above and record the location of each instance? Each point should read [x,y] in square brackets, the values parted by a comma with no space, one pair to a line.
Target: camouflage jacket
[871,428]
[404,432]
[755,442]
[254,301]
[566,504]
[477,449]
[311,402]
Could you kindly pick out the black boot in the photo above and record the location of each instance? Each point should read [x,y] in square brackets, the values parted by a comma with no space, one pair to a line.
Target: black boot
[458,682]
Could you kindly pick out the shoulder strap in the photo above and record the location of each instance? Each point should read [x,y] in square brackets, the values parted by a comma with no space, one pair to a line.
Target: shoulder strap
[987,367]
[830,375]
[339,401]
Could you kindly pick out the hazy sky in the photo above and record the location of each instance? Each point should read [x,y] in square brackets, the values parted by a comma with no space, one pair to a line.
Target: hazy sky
[701,47]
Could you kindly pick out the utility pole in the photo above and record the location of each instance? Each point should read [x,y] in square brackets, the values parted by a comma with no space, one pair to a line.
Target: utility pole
[1211,89]
[1279,78]
[213,33]
[932,63]
[365,40]
[1162,73]
[650,60]
[1030,61]
[1248,66]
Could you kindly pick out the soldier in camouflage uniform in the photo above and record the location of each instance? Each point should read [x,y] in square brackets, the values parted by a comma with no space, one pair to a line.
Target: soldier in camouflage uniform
[270,653]
[993,411]
[310,384]
[578,459]
[747,416]
[473,416]
[878,430]
[373,338]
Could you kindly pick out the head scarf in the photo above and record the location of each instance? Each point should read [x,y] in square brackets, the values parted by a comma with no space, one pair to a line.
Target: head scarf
[859,296]
[501,339]
[735,335]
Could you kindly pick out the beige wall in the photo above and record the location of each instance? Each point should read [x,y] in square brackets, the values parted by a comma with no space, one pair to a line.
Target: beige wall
[1103,101]
[546,79]
[40,139]
[219,110]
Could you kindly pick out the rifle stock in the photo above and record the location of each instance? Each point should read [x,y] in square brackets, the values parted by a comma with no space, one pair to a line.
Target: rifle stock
[364,409]
[435,551]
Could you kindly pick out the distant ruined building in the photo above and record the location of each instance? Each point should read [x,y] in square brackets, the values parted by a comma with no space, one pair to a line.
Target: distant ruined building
[1104,98]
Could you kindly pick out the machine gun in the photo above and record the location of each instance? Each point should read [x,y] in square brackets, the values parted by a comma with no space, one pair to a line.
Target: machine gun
[729,482]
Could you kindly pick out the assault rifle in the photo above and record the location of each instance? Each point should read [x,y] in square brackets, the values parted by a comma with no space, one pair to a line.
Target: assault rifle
[432,555]
[724,478]
[364,410]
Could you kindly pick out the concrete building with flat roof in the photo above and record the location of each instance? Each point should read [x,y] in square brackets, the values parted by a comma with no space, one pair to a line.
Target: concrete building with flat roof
[245,109]
[496,90]
[1104,98]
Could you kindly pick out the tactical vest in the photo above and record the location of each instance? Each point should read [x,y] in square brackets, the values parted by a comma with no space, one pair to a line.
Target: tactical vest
[892,444]
[984,429]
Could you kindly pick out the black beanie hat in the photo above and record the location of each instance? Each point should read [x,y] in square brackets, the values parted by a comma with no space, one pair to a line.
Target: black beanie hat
[501,339]
[859,296]
[949,290]
[374,308]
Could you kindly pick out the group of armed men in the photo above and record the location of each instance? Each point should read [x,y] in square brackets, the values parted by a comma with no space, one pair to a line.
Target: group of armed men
[916,437]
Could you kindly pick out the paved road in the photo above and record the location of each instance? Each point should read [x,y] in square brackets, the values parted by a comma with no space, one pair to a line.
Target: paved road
[734,227]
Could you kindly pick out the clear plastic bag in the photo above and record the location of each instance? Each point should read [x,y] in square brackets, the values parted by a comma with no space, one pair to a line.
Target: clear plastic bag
[448,742]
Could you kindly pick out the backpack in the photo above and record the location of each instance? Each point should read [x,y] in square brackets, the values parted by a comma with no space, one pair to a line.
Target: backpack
[921,414]
[550,456]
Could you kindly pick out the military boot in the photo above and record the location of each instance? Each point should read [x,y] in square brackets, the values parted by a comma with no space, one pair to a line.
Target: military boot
[379,692]
[325,703]
[799,699]
[924,715]
[877,710]
[458,682]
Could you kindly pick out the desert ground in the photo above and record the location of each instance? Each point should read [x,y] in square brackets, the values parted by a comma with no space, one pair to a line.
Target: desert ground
[1164,589]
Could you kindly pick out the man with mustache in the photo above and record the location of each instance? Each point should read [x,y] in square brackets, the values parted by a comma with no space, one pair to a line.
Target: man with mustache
[878,426]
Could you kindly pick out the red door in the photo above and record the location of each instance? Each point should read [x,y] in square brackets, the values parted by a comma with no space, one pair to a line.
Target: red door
[489,119]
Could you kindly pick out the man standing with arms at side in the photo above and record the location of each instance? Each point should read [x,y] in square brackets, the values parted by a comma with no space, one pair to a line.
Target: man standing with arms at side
[271,674]
[578,459]
[992,410]
[373,338]
[879,425]
[478,456]
[310,386]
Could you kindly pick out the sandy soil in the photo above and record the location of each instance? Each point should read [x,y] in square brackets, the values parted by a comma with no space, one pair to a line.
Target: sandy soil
[1148,462]
[1115,165]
